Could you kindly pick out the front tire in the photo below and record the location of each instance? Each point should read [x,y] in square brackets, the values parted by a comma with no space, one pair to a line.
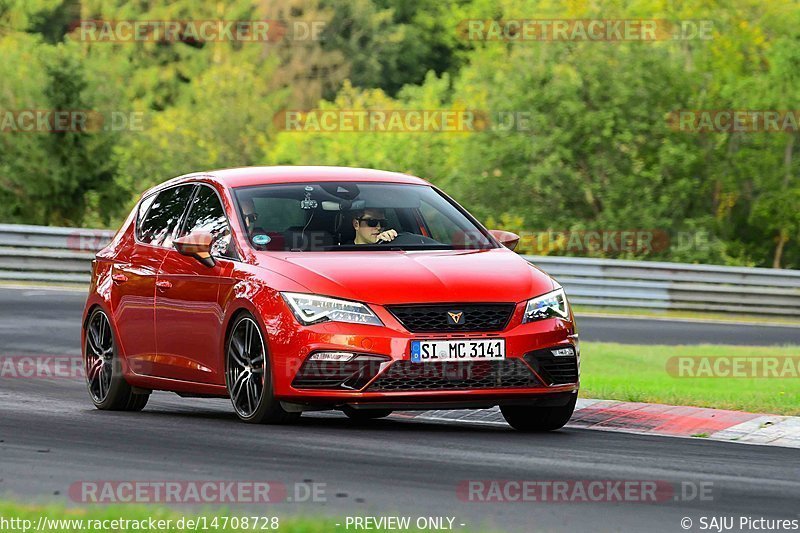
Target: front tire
[534,419]
[248,376]
[104,379]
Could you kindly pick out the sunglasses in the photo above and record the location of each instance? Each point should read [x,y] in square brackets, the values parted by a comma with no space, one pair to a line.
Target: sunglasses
[374,222]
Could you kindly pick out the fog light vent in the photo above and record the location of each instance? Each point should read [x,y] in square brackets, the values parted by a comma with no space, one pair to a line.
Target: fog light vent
[338,370]
[556,366]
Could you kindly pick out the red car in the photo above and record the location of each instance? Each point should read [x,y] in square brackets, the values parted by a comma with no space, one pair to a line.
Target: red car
[291,289]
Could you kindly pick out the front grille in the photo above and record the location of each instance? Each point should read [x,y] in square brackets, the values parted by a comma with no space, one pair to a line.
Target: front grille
[436,318]
[408,376]
[553,370]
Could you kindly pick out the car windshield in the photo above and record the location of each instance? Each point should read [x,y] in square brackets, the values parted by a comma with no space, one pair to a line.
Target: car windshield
[325,216]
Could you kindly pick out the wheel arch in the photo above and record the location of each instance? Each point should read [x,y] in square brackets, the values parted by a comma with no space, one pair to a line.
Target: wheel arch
[237,309]
[260,301]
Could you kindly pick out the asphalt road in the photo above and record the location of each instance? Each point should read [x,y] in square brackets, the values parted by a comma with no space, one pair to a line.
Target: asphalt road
[672,332]
[51,437]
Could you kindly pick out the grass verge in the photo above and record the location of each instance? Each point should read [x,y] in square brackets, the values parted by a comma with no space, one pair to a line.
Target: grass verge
[639,373]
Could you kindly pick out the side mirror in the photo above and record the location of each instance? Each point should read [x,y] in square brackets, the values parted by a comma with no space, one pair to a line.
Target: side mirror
[198,245]
[506,238]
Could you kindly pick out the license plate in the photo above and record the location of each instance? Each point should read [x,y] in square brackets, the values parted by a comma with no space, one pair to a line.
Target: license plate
[458,350]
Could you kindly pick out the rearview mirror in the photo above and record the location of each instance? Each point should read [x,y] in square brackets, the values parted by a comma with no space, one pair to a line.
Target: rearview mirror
[198,245]
[506,238]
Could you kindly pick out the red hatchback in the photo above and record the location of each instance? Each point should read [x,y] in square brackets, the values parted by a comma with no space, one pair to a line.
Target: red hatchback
[291,289]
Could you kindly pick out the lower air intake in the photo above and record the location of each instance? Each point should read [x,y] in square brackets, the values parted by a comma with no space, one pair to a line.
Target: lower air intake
[408,376]
[554,370]
[349,375]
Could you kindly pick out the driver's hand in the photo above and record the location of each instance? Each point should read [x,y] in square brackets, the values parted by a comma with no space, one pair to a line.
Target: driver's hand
[387,236]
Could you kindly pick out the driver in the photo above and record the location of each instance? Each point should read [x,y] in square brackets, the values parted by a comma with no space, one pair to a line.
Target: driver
[370,226]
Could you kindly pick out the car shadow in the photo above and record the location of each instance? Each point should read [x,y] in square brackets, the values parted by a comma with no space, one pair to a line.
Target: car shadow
[335,421]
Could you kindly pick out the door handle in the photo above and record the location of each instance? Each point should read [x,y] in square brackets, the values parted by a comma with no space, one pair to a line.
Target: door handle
[119,278]
[163,284]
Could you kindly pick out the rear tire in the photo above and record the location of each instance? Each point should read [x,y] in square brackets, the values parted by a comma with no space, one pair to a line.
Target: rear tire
[534,419]
[365,415]
[104,378]
[248,375]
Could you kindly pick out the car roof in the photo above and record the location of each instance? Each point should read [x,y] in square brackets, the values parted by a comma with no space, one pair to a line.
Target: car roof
[250,176]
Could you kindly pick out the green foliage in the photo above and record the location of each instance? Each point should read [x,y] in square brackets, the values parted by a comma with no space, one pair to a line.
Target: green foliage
[589,149]
[393,43]
[44,178]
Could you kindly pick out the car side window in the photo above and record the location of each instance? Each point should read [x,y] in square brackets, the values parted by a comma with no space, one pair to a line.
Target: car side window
[158,224]
[144,207]
[207,214]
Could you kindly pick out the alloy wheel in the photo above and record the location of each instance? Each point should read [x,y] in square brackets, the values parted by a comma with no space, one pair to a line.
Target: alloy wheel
[245,367]
[99,356]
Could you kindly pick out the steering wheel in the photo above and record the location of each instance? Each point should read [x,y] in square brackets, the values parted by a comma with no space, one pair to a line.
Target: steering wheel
[405,238]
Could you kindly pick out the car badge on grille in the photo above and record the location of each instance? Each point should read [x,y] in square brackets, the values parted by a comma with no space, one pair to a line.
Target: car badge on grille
[455,317]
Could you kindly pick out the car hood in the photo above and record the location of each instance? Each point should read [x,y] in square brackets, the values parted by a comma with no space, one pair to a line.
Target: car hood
[396,277]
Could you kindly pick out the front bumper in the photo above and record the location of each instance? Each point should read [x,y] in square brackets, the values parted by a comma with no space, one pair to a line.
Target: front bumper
[392,342]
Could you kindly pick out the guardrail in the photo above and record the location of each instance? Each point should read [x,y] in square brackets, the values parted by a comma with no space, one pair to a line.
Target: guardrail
[50,254]
[677,286]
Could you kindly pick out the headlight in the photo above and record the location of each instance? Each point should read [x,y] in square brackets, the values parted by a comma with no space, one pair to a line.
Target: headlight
[313,309]
[551,305]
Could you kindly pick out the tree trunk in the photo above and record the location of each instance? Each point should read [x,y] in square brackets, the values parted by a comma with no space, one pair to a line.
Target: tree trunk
[783,238]
[783,234]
